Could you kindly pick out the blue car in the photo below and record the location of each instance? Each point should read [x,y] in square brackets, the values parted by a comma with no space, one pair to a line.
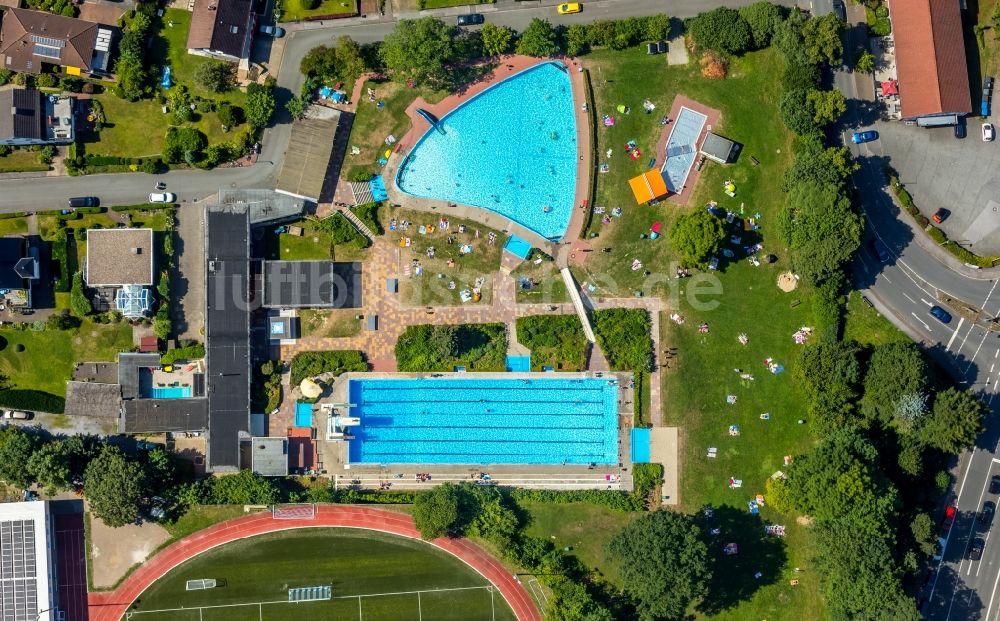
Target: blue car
[860,137]
[941,314]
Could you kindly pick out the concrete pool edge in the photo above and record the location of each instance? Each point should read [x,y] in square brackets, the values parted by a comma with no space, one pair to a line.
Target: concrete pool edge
[507,66]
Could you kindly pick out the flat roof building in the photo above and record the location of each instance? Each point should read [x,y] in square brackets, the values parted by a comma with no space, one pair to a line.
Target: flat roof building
[27,563]
[312,284]
[270,456]
[307,163]
[720,149]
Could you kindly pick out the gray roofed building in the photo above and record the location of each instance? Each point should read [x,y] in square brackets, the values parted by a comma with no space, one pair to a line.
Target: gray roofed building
[128,371]
[269,456]
[159,415]
[29,117]
[312,284]
[227,332]
[307,161]
[119,257]
[19,269]
[93,400]
[720,149]
[264,205]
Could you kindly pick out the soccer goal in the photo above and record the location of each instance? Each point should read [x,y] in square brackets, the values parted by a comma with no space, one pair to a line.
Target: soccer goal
[293,512]
[200,585]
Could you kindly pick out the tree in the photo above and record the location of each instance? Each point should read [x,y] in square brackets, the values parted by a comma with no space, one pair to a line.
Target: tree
[894,370]
[16,448]
[229,115]
[162,327]
[796,112]
[50,466]
[954,421]
[244,488]
[839,481]
[924,533]
[296,106]
[319,62]
[420,50]
[570,601]
[821,36]
[826,106]
[722,30]
[496,39]
[350,62]
[443,342]
[763,18]
[818,163]
[259,106]
[115,487]
[662,562]
[78,302]
[789,40]
[865,62]
[538,39]
[831,373]
[800,77]
[821,228]
[215,76]
[437,513]
[657,27]
[698,235]
[182,140]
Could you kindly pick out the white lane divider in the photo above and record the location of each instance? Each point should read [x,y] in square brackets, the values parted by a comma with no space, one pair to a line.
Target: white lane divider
[955,333]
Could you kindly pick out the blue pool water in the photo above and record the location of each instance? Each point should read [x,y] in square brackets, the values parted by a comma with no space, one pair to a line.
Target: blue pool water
[485,421]
[519,364]
[640,445]
[518,247]
[172,392]
[682,148]
[511,149]
[303,414]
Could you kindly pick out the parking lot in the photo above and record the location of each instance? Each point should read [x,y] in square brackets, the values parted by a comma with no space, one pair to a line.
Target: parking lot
[939,170]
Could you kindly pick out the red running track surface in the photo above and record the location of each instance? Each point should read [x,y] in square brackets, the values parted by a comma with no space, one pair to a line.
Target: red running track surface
[112,605]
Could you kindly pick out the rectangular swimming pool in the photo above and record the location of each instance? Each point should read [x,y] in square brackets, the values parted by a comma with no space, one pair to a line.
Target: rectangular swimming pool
[682,148]
[303,414]
[172,392]
[485,421]
[518,247]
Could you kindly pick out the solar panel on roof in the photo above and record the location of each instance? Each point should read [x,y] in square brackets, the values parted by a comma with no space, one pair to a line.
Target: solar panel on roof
[48,41]
[18,573]
[47,51]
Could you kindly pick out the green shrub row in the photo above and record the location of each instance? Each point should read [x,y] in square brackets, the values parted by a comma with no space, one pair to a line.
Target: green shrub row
[615,500]
[645,478]
[193,352]
[32,400]
[371,497]
[60,255]
[312,363]
[14,214]
[142,207]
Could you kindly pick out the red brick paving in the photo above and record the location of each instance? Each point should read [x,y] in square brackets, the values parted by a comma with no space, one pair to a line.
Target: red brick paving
[112,605]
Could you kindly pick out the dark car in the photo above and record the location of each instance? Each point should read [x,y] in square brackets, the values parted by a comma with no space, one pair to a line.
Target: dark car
[84,201]
[840,10]
[960,130]
[949,517]
[976,549]
[941,314]
[940,215]
[986,515]
[471,19]
[995,484]
[881,251]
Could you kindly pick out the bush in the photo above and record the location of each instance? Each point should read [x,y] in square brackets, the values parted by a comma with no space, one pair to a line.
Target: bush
[309,5]
[360,175]
[142,207]
[192,352]
[555,340]
[78,302]
[624,336]
[478,347]
[31,400]
[312,363]
[368,214]
[645,478]
[615,500]
[60,256]
[723,30]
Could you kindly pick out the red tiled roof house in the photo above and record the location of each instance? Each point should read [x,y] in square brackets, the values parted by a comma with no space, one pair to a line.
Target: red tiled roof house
[222,29]
[31,39]
[930,60]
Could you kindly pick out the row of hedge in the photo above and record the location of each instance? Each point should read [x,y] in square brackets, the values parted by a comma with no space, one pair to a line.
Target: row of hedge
[312,363]
[940,237]
[32,400]
[142,207]
[194,352]
[13,214]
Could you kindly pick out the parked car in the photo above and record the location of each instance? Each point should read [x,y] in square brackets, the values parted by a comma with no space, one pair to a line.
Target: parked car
[275,31]
[569,7]
[881,251]
[949,517]
[940,215]
[840,10]
[16,415]
[162,197]
[986,515]
[471,19]
[988,132]
[995,484]
[941,314]
[976,549]
[147,446]
[84,201]
[862,137]
[960,130]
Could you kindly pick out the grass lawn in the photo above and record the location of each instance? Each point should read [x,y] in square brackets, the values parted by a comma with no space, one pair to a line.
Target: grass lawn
[311,245]
[200,517]
[21,160]
[293,11]
[865,325]
[465,269]
[354,563]
[156,220]
[329,323]
[48,225]
[372,125]
[13,226]
[49,355]
[584,527]
[547,286]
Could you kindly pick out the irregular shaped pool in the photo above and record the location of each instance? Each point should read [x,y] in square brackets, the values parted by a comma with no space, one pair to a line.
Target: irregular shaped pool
[511,149]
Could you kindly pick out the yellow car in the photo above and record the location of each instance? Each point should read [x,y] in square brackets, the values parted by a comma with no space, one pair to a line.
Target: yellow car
[569,7]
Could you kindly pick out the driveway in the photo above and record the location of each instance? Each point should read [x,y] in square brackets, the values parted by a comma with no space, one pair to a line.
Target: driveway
[962,176]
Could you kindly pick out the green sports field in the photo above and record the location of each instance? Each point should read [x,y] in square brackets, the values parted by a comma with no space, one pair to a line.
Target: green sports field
[374,577]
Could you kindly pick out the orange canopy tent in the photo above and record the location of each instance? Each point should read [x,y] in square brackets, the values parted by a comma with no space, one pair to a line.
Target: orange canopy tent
[648,186]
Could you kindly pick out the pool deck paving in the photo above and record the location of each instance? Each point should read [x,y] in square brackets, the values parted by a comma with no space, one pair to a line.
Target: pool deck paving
[112,605]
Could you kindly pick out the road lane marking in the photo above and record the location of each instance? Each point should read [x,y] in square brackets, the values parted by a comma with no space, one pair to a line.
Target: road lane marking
[886,278]
[926,302]
[955,333]
[921,321]
[993,594]
[908,298]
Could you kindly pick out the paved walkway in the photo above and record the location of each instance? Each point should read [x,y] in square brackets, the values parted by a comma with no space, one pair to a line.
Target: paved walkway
[112,605]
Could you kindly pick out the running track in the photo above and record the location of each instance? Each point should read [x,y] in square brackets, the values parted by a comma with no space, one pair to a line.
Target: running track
[112,605]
